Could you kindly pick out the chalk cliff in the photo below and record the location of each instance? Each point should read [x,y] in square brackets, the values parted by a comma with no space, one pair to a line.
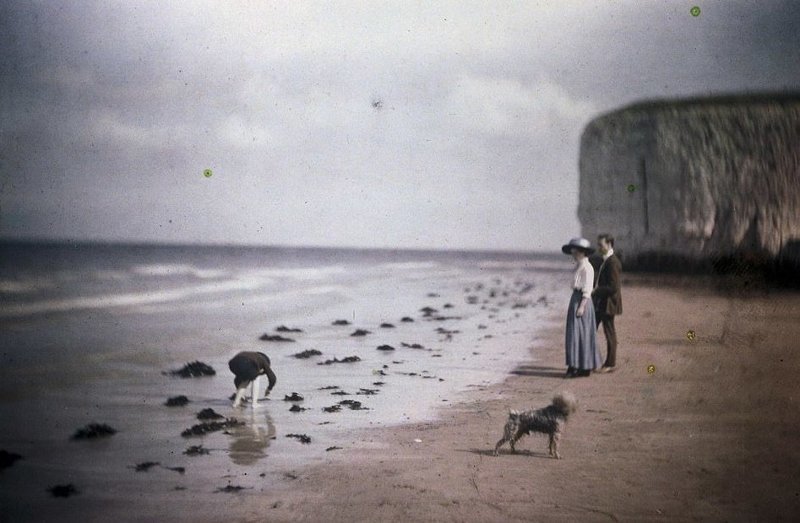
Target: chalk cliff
[697,179]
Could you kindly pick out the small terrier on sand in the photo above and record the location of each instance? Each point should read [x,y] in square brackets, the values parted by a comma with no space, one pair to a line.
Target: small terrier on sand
[549,420]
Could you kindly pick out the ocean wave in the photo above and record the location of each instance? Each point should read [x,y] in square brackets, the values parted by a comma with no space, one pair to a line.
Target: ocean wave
[527,265]
[162,270]
[24,286]
[131,298]
[409,266]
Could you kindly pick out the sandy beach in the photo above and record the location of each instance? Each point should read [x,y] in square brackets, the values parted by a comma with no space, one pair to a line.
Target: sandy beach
[710,434]
[699,422]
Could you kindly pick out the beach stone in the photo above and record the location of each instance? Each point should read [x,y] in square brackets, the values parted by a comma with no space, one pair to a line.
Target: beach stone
[296,408]
[406,319]
[360,332]
[94,431]
[193,369]
[387,326]
[341,322]
[385,348]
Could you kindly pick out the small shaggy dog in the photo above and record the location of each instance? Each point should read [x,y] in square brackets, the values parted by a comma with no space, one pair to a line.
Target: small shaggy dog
[549,420]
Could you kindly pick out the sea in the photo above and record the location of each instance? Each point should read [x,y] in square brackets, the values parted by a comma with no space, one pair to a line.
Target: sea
[91,331]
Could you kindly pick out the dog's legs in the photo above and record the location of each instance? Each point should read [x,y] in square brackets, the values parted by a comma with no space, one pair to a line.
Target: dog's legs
[513,442]
[499,444]
[240,394]
[554,445]
[254,391]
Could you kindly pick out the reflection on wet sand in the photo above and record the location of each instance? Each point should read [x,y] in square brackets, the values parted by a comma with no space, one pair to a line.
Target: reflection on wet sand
[249,441]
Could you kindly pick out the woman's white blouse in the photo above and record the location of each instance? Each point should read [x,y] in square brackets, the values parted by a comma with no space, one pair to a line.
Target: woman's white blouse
[584,278]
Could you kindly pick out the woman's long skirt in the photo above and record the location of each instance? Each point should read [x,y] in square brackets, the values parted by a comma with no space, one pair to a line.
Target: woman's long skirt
[581,338]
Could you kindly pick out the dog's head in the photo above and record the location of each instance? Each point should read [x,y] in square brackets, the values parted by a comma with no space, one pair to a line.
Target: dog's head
[565,402]
[513,414]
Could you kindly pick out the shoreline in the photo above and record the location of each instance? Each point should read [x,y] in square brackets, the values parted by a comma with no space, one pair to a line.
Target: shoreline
[711,434]
[685,442]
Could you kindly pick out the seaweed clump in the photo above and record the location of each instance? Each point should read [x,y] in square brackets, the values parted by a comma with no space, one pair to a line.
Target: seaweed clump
[194,369]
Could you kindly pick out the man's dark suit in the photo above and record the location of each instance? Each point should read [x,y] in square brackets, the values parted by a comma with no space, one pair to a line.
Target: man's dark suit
[607,300]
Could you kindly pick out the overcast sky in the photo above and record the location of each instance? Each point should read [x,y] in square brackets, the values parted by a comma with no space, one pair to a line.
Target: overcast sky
[371,124]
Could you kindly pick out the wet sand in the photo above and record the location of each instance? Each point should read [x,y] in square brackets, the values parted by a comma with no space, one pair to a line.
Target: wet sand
[711,434]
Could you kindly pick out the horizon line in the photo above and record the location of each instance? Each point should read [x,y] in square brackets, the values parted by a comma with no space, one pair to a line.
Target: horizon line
[157,243]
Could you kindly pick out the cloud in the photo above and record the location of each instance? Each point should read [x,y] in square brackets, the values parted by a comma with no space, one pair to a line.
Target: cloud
[505,106]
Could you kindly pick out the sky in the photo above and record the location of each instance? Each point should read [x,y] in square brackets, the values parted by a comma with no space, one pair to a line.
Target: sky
[444,125]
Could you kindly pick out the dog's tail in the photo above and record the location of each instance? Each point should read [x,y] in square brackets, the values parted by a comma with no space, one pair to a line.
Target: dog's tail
[565,402]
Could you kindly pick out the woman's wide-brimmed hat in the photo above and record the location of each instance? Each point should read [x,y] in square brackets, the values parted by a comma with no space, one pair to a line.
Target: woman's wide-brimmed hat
[578,243]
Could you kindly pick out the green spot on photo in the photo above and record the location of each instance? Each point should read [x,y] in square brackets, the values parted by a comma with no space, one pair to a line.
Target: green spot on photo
[207,173]
[695,11]
[631,188]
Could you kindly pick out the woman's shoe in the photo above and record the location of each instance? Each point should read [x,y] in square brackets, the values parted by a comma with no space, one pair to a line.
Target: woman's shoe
[570,372]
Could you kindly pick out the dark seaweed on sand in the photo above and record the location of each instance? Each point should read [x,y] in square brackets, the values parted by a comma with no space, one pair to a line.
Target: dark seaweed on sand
[177,401]
[207,427]
[8,458]
[348,359]
[329,387]
[196,450]
[231,488]
[145,466]
[385,347]
[367,392]
[353,405]
[294,397]
[284,328]
[302,438]
[406,319]
[412,345]
[307,354]
[276,337]
[333,448]
[360,332]
[193,369]
[340,393]
[297,408]
[179,470]
[94,431]
[332,408]
[387,326]
[207,414]
[341,322]
[63,491]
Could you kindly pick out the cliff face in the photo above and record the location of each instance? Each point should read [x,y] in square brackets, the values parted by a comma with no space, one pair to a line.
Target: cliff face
[696,178]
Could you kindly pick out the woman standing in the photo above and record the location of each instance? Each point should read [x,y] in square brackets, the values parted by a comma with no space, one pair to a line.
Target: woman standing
[581,343]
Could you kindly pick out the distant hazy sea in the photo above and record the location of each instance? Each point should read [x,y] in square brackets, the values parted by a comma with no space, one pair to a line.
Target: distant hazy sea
[88,329]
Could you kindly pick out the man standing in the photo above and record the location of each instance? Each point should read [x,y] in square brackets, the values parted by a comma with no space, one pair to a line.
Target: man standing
[607,296]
